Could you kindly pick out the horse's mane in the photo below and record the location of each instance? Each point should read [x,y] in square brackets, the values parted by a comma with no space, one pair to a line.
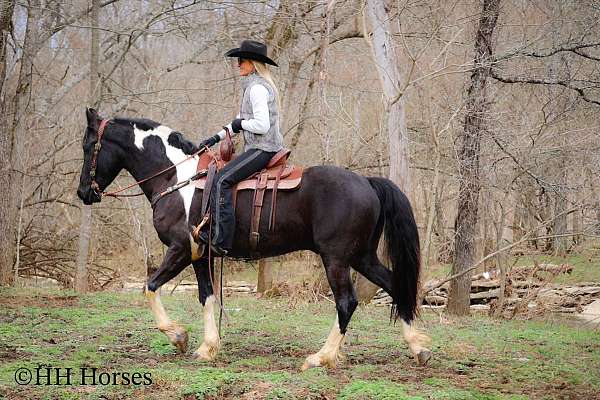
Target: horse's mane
[176,138]
[142,123]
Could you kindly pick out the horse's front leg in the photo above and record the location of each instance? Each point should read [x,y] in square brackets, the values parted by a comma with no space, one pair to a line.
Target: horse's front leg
[175,261]
[210,346]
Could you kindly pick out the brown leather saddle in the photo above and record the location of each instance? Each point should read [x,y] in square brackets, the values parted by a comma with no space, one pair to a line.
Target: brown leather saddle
[278,175]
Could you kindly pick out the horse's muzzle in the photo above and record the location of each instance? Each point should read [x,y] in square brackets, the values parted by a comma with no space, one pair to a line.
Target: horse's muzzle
[89,196]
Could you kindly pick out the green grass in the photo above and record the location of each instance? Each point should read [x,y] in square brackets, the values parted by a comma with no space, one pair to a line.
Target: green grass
[266,341]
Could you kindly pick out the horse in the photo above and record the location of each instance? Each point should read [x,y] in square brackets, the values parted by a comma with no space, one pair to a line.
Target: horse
[335,213]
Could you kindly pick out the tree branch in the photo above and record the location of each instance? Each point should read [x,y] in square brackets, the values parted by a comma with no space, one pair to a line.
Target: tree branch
[535,81]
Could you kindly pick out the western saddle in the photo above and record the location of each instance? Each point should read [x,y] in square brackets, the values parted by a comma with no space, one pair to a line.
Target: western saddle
[278,175]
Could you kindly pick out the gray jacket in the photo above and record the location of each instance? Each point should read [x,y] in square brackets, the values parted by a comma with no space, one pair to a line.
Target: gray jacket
[272,139]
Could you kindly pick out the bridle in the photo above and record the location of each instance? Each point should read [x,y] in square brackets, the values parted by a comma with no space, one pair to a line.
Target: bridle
[97,148]
[96,188]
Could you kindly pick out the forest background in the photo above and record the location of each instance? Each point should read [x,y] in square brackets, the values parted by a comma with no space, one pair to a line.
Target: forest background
[484,112]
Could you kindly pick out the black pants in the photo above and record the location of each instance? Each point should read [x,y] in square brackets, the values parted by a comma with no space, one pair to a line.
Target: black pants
[223,214]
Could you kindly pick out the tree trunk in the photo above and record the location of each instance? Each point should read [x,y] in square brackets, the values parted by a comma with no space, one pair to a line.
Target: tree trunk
[560,226]
[389,73]
[477,107]
[16,129]
[520,216]
[390,76]
[83,246]
[577,227]
[265,275]
[303,113]
[501,256]
[324,131]
[431,204]
[6,13]
[6,225]
[558,70]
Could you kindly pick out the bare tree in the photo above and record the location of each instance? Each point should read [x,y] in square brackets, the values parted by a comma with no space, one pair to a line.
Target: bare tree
[81,274]
[477,107]
[386,60]
[16,127]
[6,227]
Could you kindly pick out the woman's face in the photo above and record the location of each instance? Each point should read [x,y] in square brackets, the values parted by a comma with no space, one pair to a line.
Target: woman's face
[246,67]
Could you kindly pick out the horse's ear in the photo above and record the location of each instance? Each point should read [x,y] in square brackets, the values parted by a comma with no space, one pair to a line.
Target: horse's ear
[92,117]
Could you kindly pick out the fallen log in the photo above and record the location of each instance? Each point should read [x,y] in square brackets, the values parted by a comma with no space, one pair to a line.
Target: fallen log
[485,284]
[553,268]
[489,294]
[581,290]
[432,299]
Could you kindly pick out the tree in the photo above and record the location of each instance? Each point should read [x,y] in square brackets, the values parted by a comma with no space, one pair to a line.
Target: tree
[15,124]
[477,107]
[386,60]
[81,274]
[6,230]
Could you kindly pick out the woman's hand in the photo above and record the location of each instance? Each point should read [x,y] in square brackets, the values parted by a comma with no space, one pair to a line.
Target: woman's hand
[236,125]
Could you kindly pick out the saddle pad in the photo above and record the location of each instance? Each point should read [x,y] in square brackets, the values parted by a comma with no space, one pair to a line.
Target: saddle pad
[292,181]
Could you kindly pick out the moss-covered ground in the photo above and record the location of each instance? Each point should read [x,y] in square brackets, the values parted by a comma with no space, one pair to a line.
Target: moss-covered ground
[265,342]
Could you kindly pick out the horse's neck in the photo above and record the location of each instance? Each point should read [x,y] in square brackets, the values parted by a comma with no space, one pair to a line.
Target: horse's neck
[144,168]
[176,166]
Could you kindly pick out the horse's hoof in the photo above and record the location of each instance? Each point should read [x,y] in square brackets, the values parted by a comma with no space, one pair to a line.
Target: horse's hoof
[311,362]
[181,341]
[424,356]
[178,337]
[316,360]
[206,352]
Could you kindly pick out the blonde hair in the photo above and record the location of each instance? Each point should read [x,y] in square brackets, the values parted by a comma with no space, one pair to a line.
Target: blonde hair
[263,71]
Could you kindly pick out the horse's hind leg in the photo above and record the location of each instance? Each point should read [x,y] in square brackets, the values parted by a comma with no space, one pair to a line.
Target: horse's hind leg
[338,275]
[372,269]
[210,346]
[175,261]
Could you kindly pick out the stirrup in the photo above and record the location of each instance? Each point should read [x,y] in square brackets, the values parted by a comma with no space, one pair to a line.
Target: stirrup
[196,231]
[218,251]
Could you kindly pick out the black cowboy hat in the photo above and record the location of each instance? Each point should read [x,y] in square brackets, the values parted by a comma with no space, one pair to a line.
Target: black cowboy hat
[251,50]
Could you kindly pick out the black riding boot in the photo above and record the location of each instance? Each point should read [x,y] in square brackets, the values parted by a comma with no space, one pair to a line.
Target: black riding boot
[222,212]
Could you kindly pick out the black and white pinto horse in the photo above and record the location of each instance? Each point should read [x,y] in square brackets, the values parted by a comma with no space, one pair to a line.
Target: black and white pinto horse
[335,213]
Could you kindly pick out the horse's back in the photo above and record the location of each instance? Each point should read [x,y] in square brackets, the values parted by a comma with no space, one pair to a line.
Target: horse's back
[342,205]
[332,184]
[330,202]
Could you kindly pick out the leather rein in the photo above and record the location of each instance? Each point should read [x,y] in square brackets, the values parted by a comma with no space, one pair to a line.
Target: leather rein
[115,193]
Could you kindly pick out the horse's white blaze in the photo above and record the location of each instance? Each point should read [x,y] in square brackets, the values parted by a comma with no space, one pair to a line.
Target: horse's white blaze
[416,340]
[329,353]
[210,346]
[185,170]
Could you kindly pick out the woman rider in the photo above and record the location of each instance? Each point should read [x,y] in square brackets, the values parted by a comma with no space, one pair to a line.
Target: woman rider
[258,120]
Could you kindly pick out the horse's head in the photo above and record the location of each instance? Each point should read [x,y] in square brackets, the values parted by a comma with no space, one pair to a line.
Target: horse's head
[109,158]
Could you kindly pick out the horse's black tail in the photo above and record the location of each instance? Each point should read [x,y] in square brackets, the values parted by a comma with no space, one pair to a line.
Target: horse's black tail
[402,246]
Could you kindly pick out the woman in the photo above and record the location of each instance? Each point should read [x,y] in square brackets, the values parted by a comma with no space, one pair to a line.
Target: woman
[259,121]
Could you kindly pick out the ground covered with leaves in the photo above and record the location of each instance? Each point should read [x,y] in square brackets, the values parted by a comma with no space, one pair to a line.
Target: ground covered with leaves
[265,342]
